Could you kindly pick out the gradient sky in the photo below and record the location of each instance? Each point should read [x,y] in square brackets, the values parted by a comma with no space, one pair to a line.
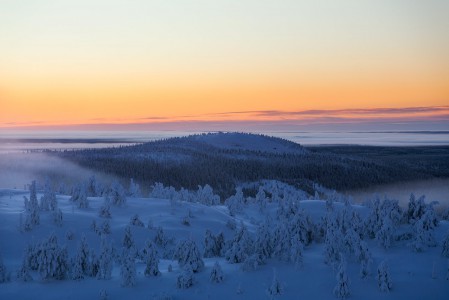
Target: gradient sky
[119,62]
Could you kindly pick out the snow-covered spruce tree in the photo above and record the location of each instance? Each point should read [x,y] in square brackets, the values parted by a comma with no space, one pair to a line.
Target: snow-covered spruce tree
[216,274]
[261,199]
[105,209]
[135,220]
[104,228]
[281,241]
[23,274]
[117,194]
[187,253]
[57,217]
[206,196]
[416,208]
[240,247]
[263,246]
[51,259]
[341,290]
[91,187]
[105,260]
[332,244]
[301,225]
[445,246]
[32,209]
[185,280]
[210,245]
[134,189]
[424,229]
[128,239]
[128,268]
[251,263]
[79,196]
[363,255]
[296,253]
[160,239]
[82,264]
[235,202]
[276,287]
[351,241]
[385,234]
[48,200]
[383,277]
[151,259]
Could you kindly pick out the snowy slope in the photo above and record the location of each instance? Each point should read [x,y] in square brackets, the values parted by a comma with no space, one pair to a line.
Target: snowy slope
[411,272]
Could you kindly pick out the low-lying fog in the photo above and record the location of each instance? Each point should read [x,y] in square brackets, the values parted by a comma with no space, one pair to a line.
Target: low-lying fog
[19,169]
[433,189]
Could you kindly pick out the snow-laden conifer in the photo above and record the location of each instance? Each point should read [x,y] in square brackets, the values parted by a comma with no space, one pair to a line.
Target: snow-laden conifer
[216,274]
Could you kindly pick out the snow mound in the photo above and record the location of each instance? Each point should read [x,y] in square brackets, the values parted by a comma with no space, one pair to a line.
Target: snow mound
[249,142]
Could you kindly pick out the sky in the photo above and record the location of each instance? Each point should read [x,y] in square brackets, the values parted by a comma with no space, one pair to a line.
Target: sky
[283,64]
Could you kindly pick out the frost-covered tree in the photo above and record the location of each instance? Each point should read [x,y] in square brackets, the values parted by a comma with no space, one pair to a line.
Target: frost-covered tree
[263,246]
[351,241]
[105,260]
[185,280]
[151,259]
[105,209]
[216,274]
[445,248]
[385,234]
[261,199]
[251,263]
[135,220]
[206,196]
[416,208]
[57,217]
[79,196]
[104,228]
[128,239]
[281,241]
[383,277]
[424,229]
[235,202]
[117,194]
[134,189]
[211,247]
[23,274]
[187,253]
[160,239]
[332,244]
[48,200]
[50,259]
[296,252]
[32,209]
[275,288]
[128,268]
[93,187]
[240,247]
[82,264]
[363,255]
[341,290]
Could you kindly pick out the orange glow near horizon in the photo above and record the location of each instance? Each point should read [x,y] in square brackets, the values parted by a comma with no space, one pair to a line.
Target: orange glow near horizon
[114,62]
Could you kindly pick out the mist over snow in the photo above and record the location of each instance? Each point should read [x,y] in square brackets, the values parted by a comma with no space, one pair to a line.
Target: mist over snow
[19,169]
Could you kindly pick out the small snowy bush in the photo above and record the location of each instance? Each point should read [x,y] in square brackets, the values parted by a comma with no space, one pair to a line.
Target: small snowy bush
[216,275]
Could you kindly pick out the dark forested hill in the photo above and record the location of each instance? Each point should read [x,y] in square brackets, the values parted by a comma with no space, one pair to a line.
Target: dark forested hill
[225,159]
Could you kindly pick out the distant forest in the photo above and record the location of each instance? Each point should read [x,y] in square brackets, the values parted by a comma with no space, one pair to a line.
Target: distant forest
[187,162]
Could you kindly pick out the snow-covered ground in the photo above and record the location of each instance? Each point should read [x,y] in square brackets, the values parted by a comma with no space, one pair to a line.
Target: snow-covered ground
[414,275]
